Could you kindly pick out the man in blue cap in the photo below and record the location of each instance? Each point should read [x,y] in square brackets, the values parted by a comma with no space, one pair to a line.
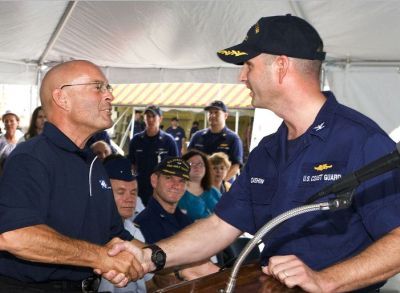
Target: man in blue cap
[219,138]
[148,148]
[318,142]
[124,186]
[162,218]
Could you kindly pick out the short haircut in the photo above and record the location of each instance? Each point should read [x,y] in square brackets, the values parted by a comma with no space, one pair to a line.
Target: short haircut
[220,158]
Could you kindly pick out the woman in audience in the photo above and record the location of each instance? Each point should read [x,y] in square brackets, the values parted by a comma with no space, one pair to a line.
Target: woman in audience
[9,140]
[36,125]
[220,165]
[200,196]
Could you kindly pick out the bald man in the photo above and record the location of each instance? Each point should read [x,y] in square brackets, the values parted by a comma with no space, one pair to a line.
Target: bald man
[57,211]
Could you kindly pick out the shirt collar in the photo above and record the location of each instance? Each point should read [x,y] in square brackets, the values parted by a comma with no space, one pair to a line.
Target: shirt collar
[319,128]
[58,138]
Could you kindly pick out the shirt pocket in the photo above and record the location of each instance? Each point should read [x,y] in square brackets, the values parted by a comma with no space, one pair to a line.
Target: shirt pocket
[263,191]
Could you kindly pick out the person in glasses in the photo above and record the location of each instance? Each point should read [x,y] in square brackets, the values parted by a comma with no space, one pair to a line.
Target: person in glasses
[57,210]
[148,148]
[200,197]
[353,249]
[219,138]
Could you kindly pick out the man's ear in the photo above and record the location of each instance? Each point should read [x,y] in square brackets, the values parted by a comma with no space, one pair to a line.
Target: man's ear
[283,66]
[226,115]
[154,180]
[60,99]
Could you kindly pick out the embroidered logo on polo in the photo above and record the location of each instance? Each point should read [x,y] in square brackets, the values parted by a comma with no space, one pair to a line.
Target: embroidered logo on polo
[319,126]
[103,184]
[322,172]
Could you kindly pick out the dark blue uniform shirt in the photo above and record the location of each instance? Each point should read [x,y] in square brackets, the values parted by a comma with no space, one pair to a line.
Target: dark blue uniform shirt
[48,180]
[339,141]
[145,152]
[225,141]
[178,134]
[156,224]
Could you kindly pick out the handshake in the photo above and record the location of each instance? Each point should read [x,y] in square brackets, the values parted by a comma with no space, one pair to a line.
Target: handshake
[121,262]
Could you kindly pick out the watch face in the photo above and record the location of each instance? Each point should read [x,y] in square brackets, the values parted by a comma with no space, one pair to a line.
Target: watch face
[159,257]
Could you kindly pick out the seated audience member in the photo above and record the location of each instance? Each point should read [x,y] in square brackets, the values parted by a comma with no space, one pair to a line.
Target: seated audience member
[124,186]
[161,218]
[220,164]
[9,140]
[36,124]
[101,135]
[101,149]
[200,196]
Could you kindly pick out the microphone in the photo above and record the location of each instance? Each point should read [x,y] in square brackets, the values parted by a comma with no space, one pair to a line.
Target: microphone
[371,170]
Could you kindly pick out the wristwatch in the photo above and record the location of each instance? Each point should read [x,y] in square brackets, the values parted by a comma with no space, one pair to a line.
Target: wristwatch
[158,256]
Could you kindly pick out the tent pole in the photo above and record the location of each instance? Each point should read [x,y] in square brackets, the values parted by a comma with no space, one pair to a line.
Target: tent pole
[67,14]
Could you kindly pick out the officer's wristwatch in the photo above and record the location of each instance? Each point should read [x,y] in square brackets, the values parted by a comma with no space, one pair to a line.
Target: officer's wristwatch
[158,256]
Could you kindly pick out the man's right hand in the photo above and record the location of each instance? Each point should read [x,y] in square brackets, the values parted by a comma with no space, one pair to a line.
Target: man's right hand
[121,267]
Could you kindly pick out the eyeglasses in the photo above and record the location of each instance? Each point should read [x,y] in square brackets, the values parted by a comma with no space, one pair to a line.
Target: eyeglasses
[196,164]
[100,86]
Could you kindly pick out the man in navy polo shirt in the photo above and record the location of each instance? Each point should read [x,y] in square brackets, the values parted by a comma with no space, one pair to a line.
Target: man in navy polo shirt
[319,141]
[148,148]
[57,211]
[162,218]
[219,138]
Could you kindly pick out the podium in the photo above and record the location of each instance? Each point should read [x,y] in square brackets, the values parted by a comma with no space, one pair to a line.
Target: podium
[250,279]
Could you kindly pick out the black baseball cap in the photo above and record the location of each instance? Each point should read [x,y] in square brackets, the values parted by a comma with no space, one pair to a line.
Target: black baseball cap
[118,167]
[174,166]
[277,35]
[153,109]
[219,105]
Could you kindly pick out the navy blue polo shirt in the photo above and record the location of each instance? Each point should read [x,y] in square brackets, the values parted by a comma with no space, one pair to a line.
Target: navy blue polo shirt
[145,152]
[339,142]
[48,180]
[178,134]
[156,224]
[225,141]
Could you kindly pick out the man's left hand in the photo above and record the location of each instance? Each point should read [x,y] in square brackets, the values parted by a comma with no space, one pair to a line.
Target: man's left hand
[291,271]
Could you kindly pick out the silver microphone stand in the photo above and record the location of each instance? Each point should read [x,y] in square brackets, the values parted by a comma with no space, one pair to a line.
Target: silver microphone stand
[342,201]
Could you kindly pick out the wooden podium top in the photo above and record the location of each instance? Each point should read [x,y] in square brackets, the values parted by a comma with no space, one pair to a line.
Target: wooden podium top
[250,279]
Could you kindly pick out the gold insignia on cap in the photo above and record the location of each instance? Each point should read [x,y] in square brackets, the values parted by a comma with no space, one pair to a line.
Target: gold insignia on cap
[257,28]
[235,53]
[322,167]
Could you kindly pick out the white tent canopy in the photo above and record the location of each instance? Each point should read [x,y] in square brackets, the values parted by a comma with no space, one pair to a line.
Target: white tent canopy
[176,41]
